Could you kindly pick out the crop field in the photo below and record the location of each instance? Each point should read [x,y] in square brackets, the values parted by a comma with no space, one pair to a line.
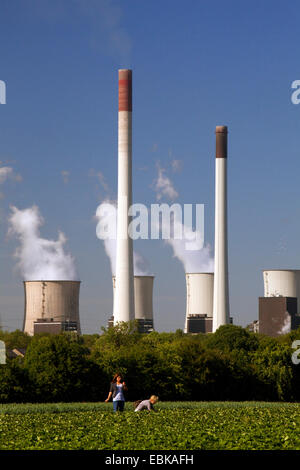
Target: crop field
[175,426]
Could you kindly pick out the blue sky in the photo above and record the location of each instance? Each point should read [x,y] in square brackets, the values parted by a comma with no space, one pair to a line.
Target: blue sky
[196,64]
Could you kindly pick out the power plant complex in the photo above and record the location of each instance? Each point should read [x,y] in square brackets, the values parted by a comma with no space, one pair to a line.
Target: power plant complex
[143,302]
[53,306]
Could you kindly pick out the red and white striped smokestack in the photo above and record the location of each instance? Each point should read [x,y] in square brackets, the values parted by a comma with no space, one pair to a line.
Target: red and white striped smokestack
[124,298]
[221,290]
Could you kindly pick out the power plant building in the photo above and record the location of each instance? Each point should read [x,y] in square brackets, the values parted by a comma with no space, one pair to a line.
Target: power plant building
[282,283]
[279,308]
[199,302]
[51,306]
[278,315]
[143,302]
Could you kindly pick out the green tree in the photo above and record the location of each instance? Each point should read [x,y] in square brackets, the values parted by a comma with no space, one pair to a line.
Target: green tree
[14,382]
[59,370]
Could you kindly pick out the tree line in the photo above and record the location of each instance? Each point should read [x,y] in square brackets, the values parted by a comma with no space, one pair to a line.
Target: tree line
[230,364]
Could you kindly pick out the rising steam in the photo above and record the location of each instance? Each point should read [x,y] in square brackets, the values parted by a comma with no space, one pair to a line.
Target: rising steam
[39,258]
[195,256]
[106,214]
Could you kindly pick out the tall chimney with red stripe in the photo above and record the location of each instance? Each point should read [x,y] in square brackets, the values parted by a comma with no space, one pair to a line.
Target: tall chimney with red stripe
[124,296]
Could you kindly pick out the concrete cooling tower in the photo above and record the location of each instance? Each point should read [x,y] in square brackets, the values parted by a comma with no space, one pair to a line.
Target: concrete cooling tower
[143,301]
[199,302]
[51,306]
[279,308]
[282,283]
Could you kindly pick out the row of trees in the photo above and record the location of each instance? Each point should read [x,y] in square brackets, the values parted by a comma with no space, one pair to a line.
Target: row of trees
[231,364]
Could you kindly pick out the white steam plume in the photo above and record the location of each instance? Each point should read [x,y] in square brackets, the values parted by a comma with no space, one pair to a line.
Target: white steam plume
[106,214]
[39,259]
[195,256]
[163,186]
[5,172]
[287,325]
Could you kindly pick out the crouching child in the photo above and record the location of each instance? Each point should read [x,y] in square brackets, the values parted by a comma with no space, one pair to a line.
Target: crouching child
[146,404]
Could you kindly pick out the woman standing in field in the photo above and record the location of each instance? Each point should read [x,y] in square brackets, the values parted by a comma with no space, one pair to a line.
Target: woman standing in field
[117,389]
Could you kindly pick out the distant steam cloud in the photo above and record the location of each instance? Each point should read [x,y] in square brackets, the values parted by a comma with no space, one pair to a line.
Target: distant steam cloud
[198,260]
[100,177]
[5,172]
[65,176]
[39,258]
[176,165]
[106,214]
[163,186]
[195,256]
[141,265]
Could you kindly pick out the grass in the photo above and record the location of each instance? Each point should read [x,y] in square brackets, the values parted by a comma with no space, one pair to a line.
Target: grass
[176,426]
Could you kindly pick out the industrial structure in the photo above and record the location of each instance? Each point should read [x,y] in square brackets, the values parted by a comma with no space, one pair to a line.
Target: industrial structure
[199,302]
[278,315]
[221,315]
[124,296]
[51,306]
[143,301]
[279,308]
[282,282]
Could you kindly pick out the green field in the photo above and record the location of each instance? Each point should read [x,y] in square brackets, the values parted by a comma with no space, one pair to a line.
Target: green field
[176,425]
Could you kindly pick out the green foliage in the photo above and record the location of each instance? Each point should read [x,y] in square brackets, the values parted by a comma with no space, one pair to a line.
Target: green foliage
[176,426]
[13,382]
[230,364]
[59,369]
[15,339]
[232,337]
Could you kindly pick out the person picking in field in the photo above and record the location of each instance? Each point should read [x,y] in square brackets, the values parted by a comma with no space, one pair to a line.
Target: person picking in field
[146,404]
[116,391]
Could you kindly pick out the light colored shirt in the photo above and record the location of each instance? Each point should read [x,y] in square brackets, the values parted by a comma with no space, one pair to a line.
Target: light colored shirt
[119,395]
[144,405]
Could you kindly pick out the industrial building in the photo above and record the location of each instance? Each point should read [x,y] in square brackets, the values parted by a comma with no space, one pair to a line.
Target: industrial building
[279,308]
[278,315]
[143,302]
[51,306]
[199,302]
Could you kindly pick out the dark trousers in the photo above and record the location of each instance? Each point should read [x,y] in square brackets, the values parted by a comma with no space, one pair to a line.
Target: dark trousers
[118,405]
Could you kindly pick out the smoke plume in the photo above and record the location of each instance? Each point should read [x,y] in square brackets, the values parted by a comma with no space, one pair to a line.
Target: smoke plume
[39,258]
[163,186]
[106,214]
[195,256]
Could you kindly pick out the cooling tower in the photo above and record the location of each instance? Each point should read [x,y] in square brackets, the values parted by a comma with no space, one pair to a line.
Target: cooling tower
[124,296]
[199,302]
[221,314]
[53,301]
[143,295]
[143,300]
[282,283]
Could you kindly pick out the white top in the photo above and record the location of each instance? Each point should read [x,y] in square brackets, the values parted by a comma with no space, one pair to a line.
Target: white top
[120,395]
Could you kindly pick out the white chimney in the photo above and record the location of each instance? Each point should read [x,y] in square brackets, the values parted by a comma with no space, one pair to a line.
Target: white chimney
[221,314]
